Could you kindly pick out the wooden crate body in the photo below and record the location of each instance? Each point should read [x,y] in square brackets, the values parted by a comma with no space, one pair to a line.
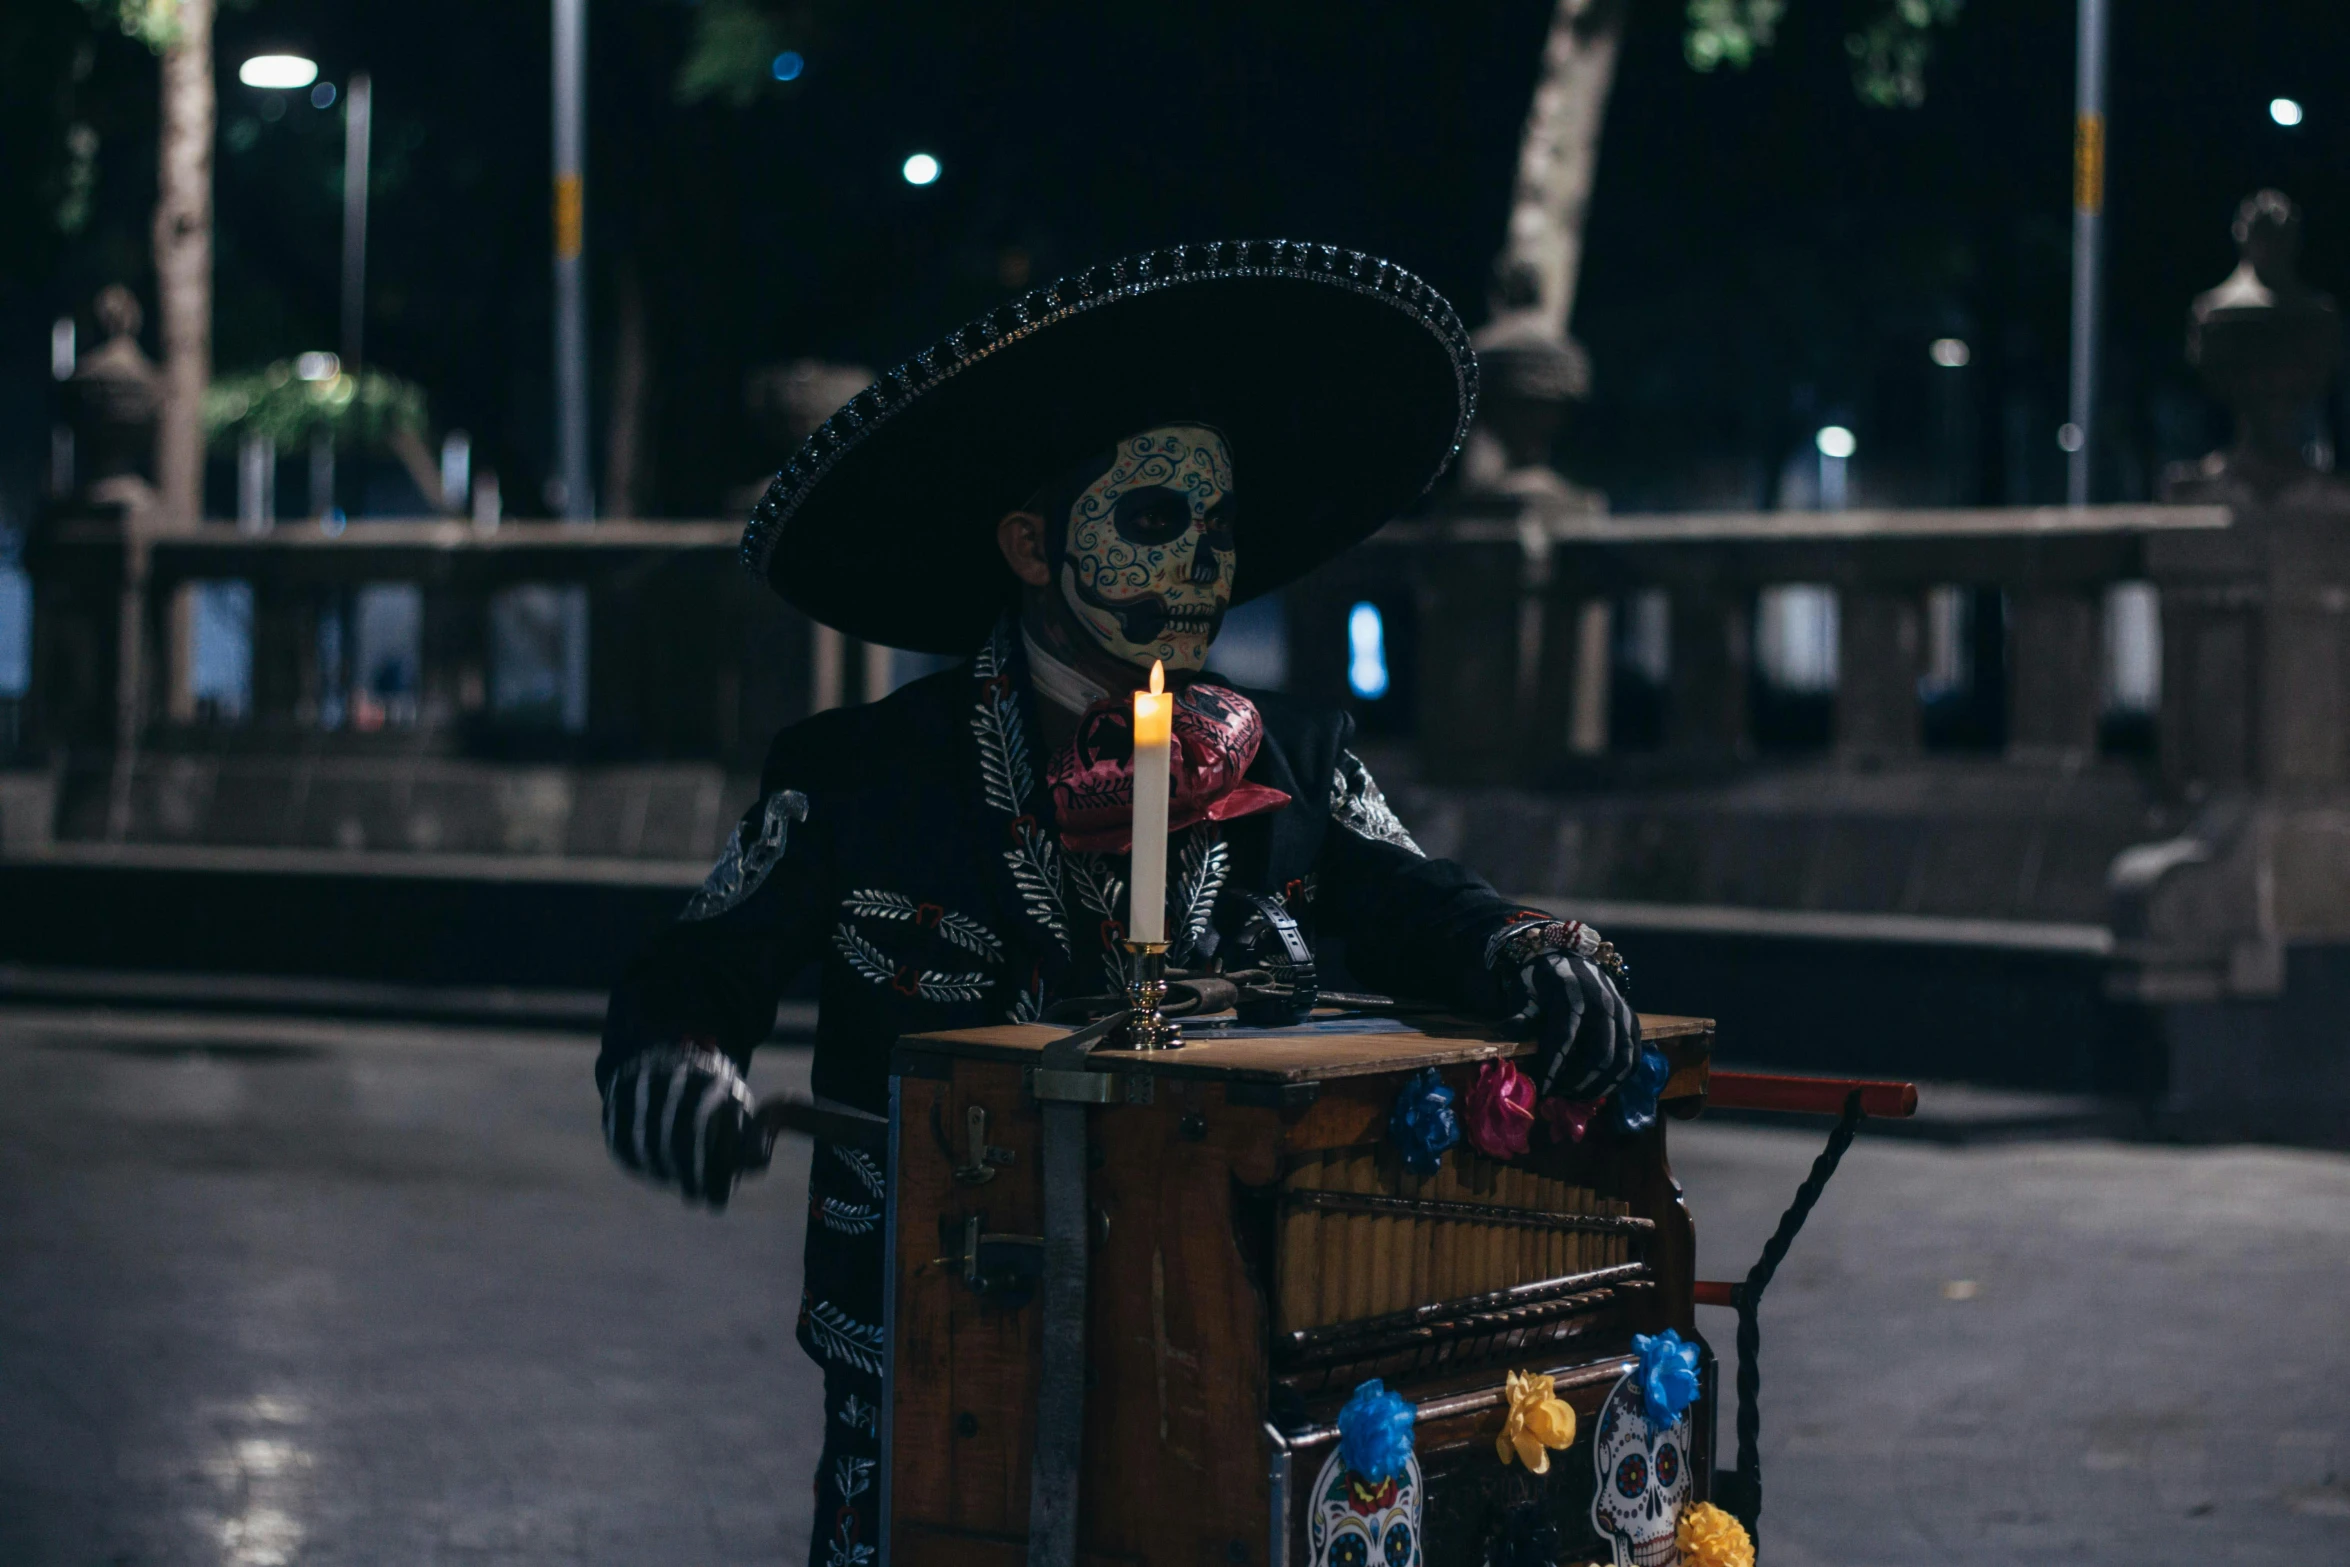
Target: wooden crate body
[1187,1356]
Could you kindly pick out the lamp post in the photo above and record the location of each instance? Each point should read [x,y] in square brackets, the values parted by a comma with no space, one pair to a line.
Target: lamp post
[577,502]
[2079,435]
[291,73]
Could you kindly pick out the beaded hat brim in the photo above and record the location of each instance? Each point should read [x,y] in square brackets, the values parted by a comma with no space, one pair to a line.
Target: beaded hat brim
[1344,384]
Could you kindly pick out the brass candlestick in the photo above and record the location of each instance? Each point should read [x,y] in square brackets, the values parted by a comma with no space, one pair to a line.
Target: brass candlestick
[1146,989]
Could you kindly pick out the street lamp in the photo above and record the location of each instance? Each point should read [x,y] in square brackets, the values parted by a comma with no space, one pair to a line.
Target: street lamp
[2285,111]
[1836,446]
[278,72]
[920,169]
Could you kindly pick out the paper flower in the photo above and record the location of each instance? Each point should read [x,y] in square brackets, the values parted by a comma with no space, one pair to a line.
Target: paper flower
[1709,1537]
[1538,1421]
[1500,1110]
[1668,1377]
[1375,1432]
[1636,1099]
[1422,1122]
[1568,1119]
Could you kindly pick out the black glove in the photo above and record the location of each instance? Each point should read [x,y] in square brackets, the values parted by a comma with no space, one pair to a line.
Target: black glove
[680,1116]
[1587,1035]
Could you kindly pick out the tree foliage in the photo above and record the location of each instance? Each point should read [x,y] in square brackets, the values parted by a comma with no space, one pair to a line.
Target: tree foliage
[155,23]
[1889,54]
[366,409]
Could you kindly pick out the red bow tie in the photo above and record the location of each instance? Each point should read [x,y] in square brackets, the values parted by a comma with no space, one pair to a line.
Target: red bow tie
[1216,736]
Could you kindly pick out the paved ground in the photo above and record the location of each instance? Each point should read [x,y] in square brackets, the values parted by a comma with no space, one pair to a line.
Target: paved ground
[275,1292]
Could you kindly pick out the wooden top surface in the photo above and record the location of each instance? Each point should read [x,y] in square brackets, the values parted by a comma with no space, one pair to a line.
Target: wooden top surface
[1287,1055]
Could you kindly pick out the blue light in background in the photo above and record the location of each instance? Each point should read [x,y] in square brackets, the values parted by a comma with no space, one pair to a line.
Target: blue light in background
[788,66]
[1366,644]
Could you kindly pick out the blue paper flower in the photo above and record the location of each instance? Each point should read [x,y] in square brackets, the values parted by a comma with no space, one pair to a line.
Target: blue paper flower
[1668,1377]
[1636,1099]
[1375,1432]
[1423,1123]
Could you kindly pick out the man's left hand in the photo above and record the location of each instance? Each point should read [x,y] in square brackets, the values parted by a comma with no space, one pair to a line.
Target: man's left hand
[1587,1038]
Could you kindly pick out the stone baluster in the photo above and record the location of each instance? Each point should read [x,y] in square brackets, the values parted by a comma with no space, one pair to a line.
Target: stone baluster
[1877,661]
[2055,681]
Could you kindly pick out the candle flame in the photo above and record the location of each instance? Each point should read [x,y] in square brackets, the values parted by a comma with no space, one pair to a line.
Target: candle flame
[1158,677]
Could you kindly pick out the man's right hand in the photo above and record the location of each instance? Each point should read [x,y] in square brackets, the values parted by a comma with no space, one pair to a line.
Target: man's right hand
[680,1116]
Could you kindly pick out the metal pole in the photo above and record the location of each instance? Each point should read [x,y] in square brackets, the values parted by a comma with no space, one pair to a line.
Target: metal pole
[358,127]
[2088,223]
[571,388]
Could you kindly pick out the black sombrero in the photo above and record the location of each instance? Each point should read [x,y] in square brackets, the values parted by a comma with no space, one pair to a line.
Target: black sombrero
[1344,383]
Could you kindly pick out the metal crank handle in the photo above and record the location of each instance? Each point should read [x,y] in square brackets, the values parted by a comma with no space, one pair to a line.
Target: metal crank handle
[795,1113]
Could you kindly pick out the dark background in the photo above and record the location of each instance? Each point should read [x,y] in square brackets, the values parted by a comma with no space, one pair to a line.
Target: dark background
[1765,252]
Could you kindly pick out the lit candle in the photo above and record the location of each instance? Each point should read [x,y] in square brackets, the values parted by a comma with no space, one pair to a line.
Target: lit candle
[1154,733]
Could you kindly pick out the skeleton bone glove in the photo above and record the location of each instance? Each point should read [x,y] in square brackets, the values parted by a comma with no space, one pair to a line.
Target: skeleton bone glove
[681,1117]
[1587,1035]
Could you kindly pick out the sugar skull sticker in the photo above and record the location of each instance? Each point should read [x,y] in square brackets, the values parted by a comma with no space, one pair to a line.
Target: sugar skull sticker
[1147,567]
[1359,1524]
[1643,1479]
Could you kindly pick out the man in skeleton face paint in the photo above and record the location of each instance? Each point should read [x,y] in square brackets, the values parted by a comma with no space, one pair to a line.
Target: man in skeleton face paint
[1035,496]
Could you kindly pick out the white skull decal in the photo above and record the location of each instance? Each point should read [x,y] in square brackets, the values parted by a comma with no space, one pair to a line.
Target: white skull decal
[1643,1479]
[1359,1525]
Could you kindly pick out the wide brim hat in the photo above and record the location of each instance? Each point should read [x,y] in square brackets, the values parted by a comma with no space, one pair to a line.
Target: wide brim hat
[1343,383]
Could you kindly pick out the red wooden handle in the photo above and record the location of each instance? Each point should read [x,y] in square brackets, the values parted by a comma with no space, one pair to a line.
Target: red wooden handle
[1808,1095]
[1715,1292]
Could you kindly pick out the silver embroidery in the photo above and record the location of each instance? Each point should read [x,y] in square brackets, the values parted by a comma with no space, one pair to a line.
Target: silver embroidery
[744,866]
[1357,805]
[871,963]
[841,1337]
[863,1166]
[1007,779]
[1205,863]
[961,929]
[847,1218]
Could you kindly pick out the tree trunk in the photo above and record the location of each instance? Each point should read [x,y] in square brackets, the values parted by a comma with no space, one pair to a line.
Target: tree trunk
[183,264]
[631,375]
[1556,160]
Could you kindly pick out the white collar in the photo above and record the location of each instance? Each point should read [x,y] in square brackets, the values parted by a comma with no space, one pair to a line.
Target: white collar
[1055,681]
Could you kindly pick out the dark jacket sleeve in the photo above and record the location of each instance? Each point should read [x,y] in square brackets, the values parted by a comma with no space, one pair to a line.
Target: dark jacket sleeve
[1414,927]
[755,924]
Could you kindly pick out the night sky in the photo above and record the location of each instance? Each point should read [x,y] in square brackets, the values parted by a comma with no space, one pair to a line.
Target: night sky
[1765,253]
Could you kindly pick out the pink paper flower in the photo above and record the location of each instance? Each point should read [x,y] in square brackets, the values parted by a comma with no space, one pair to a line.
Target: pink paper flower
[1499,1110]
[1568,1119]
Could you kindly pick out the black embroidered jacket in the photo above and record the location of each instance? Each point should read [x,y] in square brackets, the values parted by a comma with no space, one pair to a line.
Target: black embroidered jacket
[908,846]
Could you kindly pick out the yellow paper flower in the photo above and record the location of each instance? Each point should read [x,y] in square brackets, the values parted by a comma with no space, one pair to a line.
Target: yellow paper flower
[1709,1537]
[1538,1421]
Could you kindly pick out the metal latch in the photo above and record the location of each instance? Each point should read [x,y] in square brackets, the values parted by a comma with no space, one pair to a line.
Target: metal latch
[1090,1088]
[1006,1266]
[985,1157]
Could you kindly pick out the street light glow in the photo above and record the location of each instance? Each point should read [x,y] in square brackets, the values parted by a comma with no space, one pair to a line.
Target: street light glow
[318,366]
[2284,111]
[920,169]
[1836,441]
[1951,353]
[787,66]
[282,72]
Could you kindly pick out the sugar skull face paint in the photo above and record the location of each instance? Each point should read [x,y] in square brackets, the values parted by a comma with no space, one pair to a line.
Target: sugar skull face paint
[1147,568]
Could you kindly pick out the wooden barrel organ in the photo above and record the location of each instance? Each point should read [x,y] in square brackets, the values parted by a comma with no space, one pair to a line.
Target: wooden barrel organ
[1257,1250]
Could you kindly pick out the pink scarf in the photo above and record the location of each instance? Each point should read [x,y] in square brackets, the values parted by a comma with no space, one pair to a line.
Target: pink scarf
[1217,733]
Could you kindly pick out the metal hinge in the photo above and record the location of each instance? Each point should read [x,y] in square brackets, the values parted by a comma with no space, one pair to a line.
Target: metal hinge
[985,1157]
[1001,1265]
